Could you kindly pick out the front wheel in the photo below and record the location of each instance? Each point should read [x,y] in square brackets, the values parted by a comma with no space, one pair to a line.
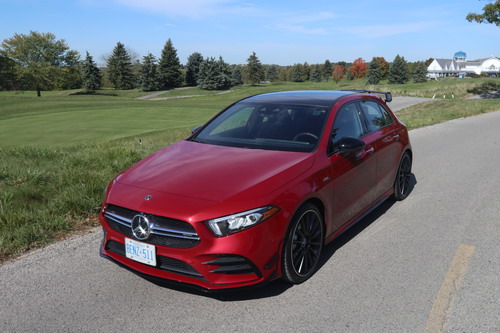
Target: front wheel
[403,178]
[303,245]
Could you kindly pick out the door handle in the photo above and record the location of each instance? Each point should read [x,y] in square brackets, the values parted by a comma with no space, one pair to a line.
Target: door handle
[370,151]
[396,137]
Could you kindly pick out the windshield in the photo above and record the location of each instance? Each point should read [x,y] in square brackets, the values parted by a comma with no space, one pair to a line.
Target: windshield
[273,126]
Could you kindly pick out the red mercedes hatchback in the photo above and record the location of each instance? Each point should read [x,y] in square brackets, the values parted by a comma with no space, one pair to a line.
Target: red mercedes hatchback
[255,193]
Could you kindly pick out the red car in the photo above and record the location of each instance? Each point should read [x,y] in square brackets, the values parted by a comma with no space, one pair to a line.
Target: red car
[255,193]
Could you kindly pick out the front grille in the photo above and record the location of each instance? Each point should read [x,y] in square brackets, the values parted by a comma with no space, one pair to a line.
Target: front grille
[163,263]
[165,231]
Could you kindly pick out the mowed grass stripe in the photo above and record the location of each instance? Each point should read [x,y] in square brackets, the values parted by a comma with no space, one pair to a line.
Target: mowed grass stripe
[70,128]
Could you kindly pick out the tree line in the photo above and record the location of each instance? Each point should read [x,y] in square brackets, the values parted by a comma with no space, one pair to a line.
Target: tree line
[39,61]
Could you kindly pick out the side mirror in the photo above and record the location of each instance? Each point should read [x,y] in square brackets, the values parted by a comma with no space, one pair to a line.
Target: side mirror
[349,144]
[194,130]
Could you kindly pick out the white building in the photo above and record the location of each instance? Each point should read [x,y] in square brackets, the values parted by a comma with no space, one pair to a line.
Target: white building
[459,66]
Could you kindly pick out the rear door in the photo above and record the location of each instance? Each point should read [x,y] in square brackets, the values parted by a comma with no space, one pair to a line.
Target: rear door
[385,136]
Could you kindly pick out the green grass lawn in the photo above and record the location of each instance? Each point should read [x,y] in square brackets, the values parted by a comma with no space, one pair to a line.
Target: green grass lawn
[58,152]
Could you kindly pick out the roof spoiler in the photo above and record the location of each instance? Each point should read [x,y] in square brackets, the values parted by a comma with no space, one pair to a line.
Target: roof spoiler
[388,95]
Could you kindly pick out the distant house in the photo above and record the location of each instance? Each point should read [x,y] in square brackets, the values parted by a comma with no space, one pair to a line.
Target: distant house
[459,66]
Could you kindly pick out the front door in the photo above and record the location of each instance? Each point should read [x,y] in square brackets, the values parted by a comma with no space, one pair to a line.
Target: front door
[354,174]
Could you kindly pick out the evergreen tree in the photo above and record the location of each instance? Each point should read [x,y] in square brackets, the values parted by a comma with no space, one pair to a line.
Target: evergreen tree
[255,71]
[420,74]
[148,80]
[306,71]
[272,73]
[214,75]
[374,73]
[398,71]
[316,74]
[327,70]
[193,68]
[297,73]
[120,68]
[236,75]
[91,75]
[169,74]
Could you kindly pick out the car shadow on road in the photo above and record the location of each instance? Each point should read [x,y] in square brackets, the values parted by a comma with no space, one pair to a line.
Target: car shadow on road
[278,287]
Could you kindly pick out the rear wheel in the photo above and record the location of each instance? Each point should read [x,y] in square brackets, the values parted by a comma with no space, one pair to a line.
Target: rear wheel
[403,178]
[303,245]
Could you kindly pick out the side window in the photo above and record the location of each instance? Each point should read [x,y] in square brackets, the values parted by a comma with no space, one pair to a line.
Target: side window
[347,123]
[376,116]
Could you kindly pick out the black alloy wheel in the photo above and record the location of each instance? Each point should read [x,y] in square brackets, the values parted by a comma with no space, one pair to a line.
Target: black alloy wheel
[303,245]
[402,185]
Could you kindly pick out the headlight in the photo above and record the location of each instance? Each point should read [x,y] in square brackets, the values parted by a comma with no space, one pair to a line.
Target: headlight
[227,225]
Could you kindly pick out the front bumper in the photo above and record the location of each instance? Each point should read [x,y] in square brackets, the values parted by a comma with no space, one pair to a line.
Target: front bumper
[247,258]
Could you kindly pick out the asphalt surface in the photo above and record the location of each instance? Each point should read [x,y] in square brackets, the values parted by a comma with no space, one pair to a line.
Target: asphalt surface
[394,271]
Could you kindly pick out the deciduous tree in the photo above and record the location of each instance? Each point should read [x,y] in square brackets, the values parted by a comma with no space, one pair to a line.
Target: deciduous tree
[358,68]
[120,68]
[384,67]
[91,75]
[169,74]
[491,14]
[8,78]
[70,76]
[39,58]
[338,73]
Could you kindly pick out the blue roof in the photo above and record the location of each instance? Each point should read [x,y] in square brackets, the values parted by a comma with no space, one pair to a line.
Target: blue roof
[460,54]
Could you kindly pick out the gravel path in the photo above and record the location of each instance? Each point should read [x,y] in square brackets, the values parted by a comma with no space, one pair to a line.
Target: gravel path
[399,103]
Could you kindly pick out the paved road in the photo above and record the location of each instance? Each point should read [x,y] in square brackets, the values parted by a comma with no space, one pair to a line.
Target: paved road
[428,263]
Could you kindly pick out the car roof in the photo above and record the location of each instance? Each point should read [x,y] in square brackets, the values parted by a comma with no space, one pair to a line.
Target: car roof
[306,97]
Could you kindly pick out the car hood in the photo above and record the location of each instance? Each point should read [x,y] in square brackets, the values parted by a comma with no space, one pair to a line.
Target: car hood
[216,173]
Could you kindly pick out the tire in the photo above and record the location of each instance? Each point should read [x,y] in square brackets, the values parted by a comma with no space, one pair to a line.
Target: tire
[402,184]
[303,245]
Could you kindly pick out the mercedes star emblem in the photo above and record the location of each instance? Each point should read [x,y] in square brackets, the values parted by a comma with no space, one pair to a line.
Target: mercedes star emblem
[141,227]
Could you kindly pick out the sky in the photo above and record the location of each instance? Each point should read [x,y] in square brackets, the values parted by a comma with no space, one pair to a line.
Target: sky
[279,32]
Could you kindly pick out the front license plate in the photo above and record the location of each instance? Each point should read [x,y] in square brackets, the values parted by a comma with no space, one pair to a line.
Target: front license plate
[141,252]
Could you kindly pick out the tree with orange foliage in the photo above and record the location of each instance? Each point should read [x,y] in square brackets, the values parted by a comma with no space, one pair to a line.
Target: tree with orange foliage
[338,73]
[384,66]
[358,68]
